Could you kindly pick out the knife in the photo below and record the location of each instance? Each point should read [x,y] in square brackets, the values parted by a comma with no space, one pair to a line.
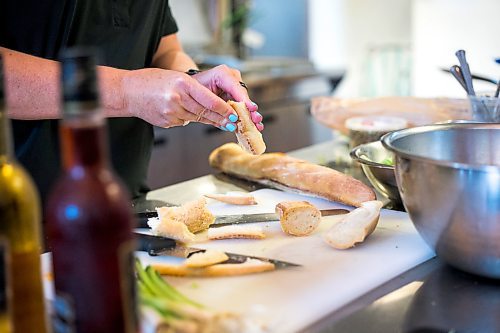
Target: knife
[163,246]
[223,220]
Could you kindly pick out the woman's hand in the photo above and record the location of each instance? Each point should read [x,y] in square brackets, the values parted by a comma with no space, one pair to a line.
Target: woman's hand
[168,98]
[226,83]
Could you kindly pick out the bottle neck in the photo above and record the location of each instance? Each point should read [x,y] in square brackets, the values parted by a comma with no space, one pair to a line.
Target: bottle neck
[5,135]
[83,137]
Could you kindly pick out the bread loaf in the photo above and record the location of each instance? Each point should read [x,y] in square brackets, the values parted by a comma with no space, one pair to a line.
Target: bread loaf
[298,218]
[292,174]
[249,137]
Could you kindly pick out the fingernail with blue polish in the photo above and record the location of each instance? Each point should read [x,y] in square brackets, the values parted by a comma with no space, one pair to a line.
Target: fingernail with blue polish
[258,113]
[230,127]
[233,117]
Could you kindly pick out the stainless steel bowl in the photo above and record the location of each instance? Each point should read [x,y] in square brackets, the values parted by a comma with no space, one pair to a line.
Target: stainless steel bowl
[449,179]
[381,176]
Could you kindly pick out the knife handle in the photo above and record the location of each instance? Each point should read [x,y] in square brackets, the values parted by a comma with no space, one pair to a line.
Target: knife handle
[153,244]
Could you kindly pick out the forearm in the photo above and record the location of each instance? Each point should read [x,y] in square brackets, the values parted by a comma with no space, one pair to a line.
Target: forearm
[170,55]
[175,60]
[33,88]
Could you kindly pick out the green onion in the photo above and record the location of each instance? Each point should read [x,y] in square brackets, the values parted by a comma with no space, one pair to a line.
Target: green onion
[175,309]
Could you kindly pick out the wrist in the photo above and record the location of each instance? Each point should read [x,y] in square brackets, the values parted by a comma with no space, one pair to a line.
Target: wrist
[112,83]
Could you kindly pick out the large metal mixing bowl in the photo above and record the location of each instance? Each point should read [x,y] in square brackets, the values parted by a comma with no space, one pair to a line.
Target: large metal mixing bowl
[448,176]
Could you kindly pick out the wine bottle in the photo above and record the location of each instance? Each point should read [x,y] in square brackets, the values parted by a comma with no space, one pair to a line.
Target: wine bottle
[20,227]
[89,216]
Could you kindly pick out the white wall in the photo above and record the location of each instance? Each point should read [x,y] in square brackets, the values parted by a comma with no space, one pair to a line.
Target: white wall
[344,31]
[192,20]
[327,34]
[440,27]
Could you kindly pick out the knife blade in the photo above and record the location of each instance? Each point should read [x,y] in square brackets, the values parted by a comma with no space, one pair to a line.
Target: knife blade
[163,246]
[223,220]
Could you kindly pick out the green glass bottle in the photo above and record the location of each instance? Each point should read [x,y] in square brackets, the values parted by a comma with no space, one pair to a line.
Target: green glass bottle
[20,231]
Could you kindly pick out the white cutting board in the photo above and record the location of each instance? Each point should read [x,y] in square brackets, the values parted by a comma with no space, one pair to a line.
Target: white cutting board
[288,300]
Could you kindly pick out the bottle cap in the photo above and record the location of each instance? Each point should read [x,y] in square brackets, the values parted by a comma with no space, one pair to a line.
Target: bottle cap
[79,75]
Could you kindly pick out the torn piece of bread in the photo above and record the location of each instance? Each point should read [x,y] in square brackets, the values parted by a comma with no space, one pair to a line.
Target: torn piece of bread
[236,231]
[250,266]
[194,214]
[249,137]
[298,218]
[355,226]
[172,229]
[181,223]
[206,258]
[233,199]
[291,174]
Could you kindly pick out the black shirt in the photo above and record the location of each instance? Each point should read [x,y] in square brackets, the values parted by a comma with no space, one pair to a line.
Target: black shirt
[127,32]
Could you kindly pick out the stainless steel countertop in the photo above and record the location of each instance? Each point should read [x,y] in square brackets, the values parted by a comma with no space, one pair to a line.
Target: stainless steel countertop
[431,297]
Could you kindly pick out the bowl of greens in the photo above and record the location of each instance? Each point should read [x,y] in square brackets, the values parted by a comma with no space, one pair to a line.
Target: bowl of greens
[378,166]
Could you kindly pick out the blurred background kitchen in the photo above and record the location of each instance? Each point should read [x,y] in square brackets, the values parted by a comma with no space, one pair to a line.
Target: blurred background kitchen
[291,50]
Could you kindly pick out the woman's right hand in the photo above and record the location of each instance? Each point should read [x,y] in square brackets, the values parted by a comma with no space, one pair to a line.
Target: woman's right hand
[168,98]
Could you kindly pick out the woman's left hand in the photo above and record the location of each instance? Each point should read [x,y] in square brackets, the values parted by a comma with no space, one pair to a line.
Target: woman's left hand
[226,83]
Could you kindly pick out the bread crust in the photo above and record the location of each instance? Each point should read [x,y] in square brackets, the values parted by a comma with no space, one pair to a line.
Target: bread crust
[249,137]
[354,227]
[236,231]
[292,173]
[206,258]
[243,200]
[250,266]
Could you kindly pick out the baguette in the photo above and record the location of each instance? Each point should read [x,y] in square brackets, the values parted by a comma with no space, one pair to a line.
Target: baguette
[291,174]
[298,218]
[355,226]
[249,137]
[250,266]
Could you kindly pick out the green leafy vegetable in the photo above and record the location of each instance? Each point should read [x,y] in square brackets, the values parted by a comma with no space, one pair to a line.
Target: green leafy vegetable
[165,309]
[388,161]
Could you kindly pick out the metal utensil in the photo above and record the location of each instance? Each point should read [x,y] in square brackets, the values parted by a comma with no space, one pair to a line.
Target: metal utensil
[222,220]
[163,246]
[457,74]
[497,91]
[474,76]
[465,72]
